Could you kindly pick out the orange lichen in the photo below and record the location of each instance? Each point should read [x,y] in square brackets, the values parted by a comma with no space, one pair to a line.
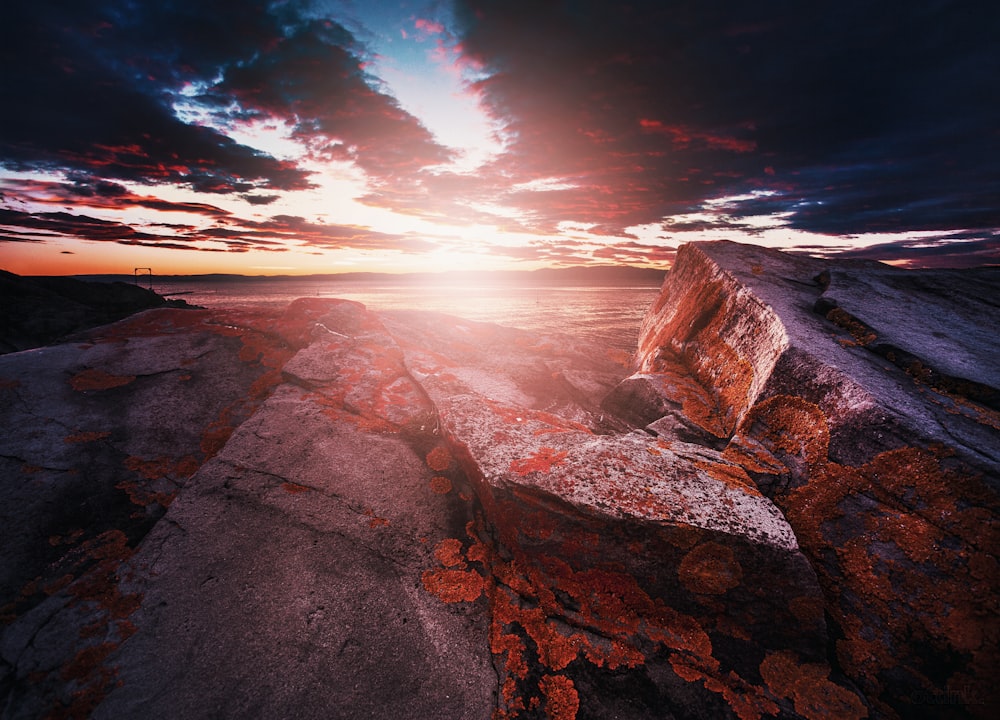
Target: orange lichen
[809,687]
[294,488]
[452,586]
[862,334]
[216,435]
[909,555]
[562,702]
[439,459]
[536,604]
[440,485]
[449,553]
[710,569]
[375,521]
[95,379]
[97,587]
[542,461]
[85,437]
[732,475]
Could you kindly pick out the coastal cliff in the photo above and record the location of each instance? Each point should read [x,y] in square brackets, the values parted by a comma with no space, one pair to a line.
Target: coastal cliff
[784,507]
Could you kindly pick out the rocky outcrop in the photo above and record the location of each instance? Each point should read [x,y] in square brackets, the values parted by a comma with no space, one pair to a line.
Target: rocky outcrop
[36,311]
[626,575]
[224,515]
[862,400]
[784,509]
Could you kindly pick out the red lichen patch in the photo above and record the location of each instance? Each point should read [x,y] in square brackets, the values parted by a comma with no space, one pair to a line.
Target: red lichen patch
[145,497]
[85,437]
[516,415]
[710,569]
[449,553]
[452,586]
[262,387]
[217,434]
[899,578]
[58,584]
[87,673]
[439,459]
[809,687]
[541,461]
[155,469]
[440,485]
[562,702]
[294,488]
[790,426]
[862,334]
[807,609]
[733,476]
[376,521]
[536,604]
[95,379]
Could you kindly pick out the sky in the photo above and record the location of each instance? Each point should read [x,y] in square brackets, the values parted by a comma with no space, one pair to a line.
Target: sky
[323,136]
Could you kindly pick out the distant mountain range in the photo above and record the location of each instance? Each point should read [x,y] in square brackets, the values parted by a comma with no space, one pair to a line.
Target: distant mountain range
[587,276]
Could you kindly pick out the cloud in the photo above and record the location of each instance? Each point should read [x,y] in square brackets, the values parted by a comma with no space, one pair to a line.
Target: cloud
[91,93]
[99,82]
[99,194]
[838,118]
[957,250]
[879,111]
[233,234]
[314,76]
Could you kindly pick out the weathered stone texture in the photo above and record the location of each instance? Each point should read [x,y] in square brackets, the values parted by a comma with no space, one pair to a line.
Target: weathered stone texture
[862,401]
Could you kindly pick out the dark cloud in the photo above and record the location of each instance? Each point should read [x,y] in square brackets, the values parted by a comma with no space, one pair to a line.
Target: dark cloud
[290,230]
[88,89]
[260,199]
[237,234]
[885,112]
[63,224]
[102,195]
[959,250]
[97,82]
[313,76]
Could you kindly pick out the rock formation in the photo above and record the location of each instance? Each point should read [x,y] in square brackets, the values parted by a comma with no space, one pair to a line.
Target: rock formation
[36,311]
[785,508]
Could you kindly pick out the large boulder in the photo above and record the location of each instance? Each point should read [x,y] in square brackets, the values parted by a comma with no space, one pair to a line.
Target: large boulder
[863,400]
[627,575]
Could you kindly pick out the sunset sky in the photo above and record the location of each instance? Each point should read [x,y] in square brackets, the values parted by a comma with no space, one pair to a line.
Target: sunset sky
[291,137]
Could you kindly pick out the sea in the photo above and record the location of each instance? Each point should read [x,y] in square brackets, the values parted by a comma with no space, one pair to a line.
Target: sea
[608,316]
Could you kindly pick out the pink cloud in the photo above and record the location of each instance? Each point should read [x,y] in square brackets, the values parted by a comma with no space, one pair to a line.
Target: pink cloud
[430,27]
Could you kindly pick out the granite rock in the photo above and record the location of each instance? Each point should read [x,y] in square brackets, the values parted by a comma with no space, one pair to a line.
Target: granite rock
[862,400]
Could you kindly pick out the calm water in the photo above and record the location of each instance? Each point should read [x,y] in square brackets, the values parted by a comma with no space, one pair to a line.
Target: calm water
[609,316]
